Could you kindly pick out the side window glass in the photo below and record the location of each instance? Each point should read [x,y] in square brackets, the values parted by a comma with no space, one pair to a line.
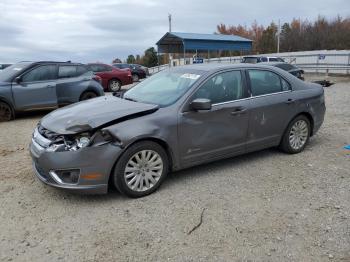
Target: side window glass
[264,82]
[67,71]
[222,87]
[285,85]
[81,70]
[41,73]
[263,59]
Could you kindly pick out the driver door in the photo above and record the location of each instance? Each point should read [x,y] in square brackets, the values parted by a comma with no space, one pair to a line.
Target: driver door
[207,135]
[36,89]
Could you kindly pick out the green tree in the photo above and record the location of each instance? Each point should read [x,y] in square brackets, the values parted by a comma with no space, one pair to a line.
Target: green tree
[150,58]
[131,59]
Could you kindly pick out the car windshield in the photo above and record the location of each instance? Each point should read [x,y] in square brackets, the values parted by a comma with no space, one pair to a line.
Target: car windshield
[163,88]
[9,72]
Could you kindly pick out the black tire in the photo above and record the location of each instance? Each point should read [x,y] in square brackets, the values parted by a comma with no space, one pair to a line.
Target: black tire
[6,112]
[114,85]
[118,178]
[135,78]
[286,145]
[87,95]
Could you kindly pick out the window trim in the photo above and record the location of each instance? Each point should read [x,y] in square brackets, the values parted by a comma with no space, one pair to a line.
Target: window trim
[263,69]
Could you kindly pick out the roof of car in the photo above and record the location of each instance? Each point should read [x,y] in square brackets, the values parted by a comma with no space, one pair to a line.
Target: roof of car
[273,63]
[218,66]
[47,62]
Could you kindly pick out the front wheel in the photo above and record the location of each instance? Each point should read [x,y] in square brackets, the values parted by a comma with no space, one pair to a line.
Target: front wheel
[141,169]
[296,136]
[5,112]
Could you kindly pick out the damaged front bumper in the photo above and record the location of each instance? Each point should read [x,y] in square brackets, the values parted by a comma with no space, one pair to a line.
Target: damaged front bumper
[84,171]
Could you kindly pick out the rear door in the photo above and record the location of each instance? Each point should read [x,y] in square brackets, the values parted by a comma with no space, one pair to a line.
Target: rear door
[37,88]
[272,107]
[71,83]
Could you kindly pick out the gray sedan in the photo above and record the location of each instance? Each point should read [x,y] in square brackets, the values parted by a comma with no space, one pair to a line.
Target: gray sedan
[177,118]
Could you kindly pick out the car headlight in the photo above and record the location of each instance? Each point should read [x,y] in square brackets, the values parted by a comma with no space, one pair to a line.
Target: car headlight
[83,142]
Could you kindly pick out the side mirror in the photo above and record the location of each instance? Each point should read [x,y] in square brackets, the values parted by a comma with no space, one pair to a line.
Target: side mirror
[18,79]
[201,104]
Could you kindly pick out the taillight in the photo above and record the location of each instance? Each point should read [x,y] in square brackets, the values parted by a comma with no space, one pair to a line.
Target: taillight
[129,72]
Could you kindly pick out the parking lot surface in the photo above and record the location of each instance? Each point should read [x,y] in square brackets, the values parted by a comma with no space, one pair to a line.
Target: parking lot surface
[264,206]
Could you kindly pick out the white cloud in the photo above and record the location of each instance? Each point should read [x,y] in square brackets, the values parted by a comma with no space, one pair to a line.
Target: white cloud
[89,30]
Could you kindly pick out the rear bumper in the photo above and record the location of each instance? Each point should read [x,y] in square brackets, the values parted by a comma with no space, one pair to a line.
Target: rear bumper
[95,165]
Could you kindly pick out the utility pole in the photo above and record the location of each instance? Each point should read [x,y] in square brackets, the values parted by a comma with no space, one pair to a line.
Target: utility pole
[169,16]
[278,36]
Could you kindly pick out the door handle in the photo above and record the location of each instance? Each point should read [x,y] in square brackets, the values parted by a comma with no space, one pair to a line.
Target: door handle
[238,110]
[290,101]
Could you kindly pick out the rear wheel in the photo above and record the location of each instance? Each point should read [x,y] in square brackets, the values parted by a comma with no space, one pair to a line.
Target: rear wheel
[5,112]
[296,136]
[114,85]
[87,95]
[135,78]
[141,169]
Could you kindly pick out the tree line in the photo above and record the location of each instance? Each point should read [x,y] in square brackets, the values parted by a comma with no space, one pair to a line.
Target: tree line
[148,59]
[297,35]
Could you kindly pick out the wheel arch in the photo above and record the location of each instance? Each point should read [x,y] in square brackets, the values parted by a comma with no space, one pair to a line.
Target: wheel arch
[308,116]
[159,141]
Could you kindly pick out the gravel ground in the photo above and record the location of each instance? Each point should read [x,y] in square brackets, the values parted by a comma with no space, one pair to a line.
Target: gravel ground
[264,206]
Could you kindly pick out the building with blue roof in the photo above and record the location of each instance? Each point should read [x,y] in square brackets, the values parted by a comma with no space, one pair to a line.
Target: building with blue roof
[175,42]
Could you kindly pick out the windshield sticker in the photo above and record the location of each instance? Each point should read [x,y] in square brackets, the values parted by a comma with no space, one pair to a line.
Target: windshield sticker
[190,76]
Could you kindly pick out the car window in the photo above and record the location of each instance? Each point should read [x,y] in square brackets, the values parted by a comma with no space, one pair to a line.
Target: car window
[285,85]
[67,71]
[263,59]
[273,59]
[265,82]
[41,73]
[251,60]
[222,88]
[106,68]
[117,65]
[81,70]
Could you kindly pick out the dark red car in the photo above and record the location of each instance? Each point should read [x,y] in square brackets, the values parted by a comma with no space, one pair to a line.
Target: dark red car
[112,78]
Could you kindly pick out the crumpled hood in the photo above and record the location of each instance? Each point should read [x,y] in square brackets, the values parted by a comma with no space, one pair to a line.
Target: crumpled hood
[94,113]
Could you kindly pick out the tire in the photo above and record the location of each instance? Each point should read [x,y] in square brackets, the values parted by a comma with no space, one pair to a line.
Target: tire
[6,113]
[135,78]
[138,181]
[296,136]
[87,95]
[114,85]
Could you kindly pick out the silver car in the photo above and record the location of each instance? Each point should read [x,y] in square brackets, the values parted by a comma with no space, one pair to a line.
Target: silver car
[177,118]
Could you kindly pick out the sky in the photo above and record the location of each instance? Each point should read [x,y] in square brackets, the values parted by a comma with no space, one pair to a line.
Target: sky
[101,30]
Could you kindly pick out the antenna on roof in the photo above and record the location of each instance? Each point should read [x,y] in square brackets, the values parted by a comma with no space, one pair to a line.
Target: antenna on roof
[169,16]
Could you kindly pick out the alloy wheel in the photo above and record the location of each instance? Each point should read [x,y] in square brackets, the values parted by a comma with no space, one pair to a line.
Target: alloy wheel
[143,170]
[298,134]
